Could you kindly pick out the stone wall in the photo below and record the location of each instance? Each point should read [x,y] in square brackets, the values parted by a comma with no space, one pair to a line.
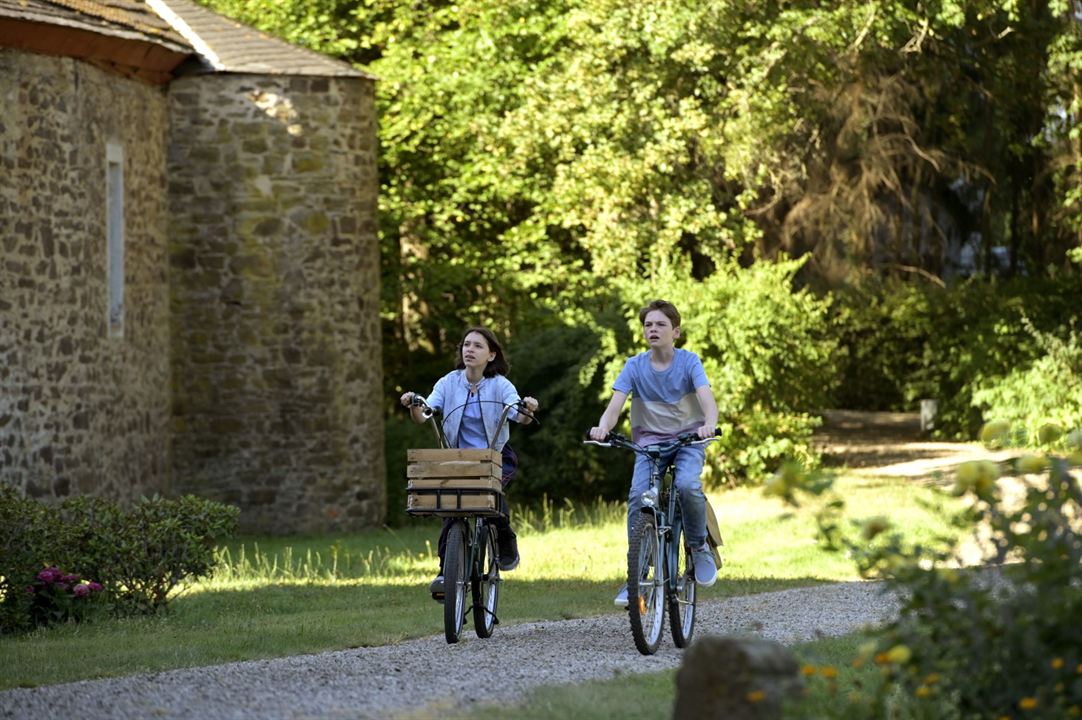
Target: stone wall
[80,411]
[275,293]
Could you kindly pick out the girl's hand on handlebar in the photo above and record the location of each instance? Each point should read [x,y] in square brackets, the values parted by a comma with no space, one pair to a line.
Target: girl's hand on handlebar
[529,404]
[411,399]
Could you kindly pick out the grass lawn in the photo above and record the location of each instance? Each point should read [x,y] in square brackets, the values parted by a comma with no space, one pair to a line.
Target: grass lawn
[273,597]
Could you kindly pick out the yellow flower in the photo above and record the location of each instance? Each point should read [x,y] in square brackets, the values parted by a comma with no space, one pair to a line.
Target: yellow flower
[995,432]
[755,696]
[1056,663]
[1074,711]
[1049,433]
[932,679]
[829,672]
[1028,703]
[977,475]
[899,654]
[807,670]
[1032,464]
[924,691]
[874,526]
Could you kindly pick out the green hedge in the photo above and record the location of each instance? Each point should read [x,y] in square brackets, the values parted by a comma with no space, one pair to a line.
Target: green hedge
[138,555]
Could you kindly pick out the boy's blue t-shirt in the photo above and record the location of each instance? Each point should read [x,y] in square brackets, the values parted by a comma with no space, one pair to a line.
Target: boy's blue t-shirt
[663,404]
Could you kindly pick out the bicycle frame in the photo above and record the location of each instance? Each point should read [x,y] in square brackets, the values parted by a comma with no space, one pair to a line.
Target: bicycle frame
[657,562]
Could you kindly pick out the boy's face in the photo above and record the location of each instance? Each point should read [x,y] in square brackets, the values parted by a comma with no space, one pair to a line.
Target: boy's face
[658,330]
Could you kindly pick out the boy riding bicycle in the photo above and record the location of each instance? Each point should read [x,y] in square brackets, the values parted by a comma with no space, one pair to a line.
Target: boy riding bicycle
[670,395]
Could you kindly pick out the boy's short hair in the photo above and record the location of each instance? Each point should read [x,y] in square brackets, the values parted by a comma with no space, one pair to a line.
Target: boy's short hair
[664,306]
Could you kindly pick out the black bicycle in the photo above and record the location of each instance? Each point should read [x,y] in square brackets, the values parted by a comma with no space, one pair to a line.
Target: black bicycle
[471,571]
[660,571]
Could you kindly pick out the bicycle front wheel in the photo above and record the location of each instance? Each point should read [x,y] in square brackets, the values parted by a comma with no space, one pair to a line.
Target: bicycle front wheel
[486,583]
[681,590]
[645,585]
[454,583]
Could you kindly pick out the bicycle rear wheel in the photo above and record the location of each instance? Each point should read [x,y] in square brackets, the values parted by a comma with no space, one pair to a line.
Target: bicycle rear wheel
[681,588]
[454,582]
[486,583]
[645,591]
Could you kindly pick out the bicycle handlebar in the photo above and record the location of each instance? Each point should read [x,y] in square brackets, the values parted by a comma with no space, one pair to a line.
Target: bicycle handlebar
[614,439]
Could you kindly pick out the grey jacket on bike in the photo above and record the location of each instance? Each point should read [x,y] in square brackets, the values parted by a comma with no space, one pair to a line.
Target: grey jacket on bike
[449,397]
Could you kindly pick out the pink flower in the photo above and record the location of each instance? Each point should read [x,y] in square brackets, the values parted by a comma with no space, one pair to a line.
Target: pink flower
[70,578]
[95,587]
[81,590]
[49,575]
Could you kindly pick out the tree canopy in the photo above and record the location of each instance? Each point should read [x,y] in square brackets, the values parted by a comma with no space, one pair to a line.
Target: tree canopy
[547,167]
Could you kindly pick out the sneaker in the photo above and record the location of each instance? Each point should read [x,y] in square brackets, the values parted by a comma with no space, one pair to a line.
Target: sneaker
[706,572]
[509,558]
[621,597]
[436,588]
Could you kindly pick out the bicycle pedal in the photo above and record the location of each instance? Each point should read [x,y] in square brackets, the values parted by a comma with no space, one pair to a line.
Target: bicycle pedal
[438,597]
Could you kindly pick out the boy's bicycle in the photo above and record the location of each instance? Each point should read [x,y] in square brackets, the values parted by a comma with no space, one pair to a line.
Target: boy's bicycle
[660,570]
[471,559]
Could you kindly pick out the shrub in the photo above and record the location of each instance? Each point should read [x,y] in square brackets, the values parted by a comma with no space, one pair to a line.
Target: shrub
[980,644]
[769,353]
[137,555]
[902,342]
[144,552]
[1044,393]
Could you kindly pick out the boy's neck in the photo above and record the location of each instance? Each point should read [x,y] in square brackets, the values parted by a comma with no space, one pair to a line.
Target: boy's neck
[661,357]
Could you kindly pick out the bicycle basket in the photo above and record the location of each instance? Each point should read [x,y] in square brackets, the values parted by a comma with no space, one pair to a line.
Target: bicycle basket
[452,482]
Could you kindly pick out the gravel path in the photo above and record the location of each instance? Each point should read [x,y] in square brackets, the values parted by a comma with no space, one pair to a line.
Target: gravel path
[416,678]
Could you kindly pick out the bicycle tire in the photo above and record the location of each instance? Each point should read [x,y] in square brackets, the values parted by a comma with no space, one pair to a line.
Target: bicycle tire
[486,583]
[454,583]
[645,594]
[681,590]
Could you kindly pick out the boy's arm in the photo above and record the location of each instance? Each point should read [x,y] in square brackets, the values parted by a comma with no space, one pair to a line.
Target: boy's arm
[710,411]
[611,416]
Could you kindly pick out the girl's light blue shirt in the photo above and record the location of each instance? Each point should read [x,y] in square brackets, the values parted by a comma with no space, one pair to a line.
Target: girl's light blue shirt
[449,397]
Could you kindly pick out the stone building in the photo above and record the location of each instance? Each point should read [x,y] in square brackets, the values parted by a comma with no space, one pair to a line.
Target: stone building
[189,266]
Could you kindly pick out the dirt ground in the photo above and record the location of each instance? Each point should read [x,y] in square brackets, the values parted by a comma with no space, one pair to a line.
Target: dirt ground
[891,444]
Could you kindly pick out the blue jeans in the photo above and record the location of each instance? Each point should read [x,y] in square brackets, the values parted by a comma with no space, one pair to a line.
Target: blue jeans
[688,462]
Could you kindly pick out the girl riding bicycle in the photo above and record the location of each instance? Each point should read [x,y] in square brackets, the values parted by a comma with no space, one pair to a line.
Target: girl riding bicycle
[465,397]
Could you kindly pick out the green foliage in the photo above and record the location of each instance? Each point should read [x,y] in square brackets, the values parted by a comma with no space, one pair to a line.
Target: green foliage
[138,555]
[999,642]
[542,164]
[903,342]
[769,355]
[1046,392]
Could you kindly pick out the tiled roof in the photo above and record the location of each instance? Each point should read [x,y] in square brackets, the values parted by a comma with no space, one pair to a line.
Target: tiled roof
[224,45]
[130,19]
[229,46]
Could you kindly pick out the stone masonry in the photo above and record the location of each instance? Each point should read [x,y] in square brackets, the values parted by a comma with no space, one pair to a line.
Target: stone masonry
[80,411]
[274,261]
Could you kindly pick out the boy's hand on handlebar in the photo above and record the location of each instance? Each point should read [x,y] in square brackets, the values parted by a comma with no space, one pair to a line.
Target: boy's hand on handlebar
[598,433]
[706,432]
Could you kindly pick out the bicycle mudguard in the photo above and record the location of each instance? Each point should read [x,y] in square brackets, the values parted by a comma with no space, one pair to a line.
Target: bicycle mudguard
[713,533]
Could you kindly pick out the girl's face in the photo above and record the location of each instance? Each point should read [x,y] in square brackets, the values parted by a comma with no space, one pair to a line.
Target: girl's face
[476,354]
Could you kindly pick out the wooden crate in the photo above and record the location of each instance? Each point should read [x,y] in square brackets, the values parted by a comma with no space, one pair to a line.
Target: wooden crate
[453,482]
